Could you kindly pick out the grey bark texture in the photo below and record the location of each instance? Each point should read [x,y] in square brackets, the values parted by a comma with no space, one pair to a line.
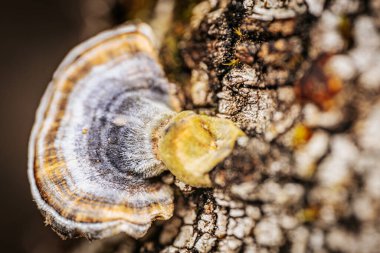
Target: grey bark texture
[302,79]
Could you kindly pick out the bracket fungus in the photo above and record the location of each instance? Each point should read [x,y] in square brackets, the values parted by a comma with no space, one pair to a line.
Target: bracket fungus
[105,128]
[193,144]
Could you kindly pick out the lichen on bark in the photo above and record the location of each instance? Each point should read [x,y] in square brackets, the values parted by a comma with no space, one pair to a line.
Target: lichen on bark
[302,79]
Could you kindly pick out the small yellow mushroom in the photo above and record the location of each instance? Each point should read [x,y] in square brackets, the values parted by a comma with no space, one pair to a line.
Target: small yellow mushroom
[192,145]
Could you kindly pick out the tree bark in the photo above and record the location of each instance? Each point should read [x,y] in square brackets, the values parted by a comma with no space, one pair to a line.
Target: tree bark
[302,79]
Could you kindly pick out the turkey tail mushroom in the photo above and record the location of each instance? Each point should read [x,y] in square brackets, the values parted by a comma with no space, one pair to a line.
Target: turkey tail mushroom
[103,131]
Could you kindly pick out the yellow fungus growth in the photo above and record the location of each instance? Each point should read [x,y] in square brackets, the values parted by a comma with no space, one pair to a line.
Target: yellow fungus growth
[232,63]
[192,145]
[238,32]
[301,135]
[308,214]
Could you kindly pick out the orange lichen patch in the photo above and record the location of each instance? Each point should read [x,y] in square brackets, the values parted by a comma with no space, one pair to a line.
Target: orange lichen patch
[301,134]
[192,145]
[319,84]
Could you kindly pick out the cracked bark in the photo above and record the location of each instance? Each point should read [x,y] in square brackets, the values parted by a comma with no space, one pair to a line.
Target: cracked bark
[302,79]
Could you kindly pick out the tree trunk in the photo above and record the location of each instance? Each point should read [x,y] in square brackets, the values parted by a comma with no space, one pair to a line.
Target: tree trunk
[302,79]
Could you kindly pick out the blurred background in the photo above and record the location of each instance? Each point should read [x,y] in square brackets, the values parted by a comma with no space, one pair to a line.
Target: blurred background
[35,36]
